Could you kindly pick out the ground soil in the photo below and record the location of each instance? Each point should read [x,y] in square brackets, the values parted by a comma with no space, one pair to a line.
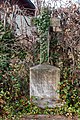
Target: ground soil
[48,117]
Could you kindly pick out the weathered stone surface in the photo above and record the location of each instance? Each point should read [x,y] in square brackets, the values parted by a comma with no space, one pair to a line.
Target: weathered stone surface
[48,117]
[44,80]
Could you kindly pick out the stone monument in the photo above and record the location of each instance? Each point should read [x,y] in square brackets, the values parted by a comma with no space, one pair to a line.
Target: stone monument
[44,78]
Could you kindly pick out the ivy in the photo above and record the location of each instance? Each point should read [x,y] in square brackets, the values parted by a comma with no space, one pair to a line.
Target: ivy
[43,22]
[11,86]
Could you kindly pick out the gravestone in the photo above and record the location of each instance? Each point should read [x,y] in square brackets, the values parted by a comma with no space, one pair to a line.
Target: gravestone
[44,80]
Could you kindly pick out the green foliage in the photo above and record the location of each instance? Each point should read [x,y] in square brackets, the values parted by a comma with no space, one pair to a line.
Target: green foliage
[42,23]
[14,75]
[69,92]
[12,79]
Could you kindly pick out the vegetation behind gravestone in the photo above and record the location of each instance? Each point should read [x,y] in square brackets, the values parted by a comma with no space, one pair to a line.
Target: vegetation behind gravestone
[14,73]
[15,60]
[64,54]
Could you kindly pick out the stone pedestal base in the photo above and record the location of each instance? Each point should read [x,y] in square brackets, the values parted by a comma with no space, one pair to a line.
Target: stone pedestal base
[44,80]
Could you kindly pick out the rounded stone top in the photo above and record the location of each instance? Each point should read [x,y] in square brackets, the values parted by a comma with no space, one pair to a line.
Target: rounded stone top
[44,67]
